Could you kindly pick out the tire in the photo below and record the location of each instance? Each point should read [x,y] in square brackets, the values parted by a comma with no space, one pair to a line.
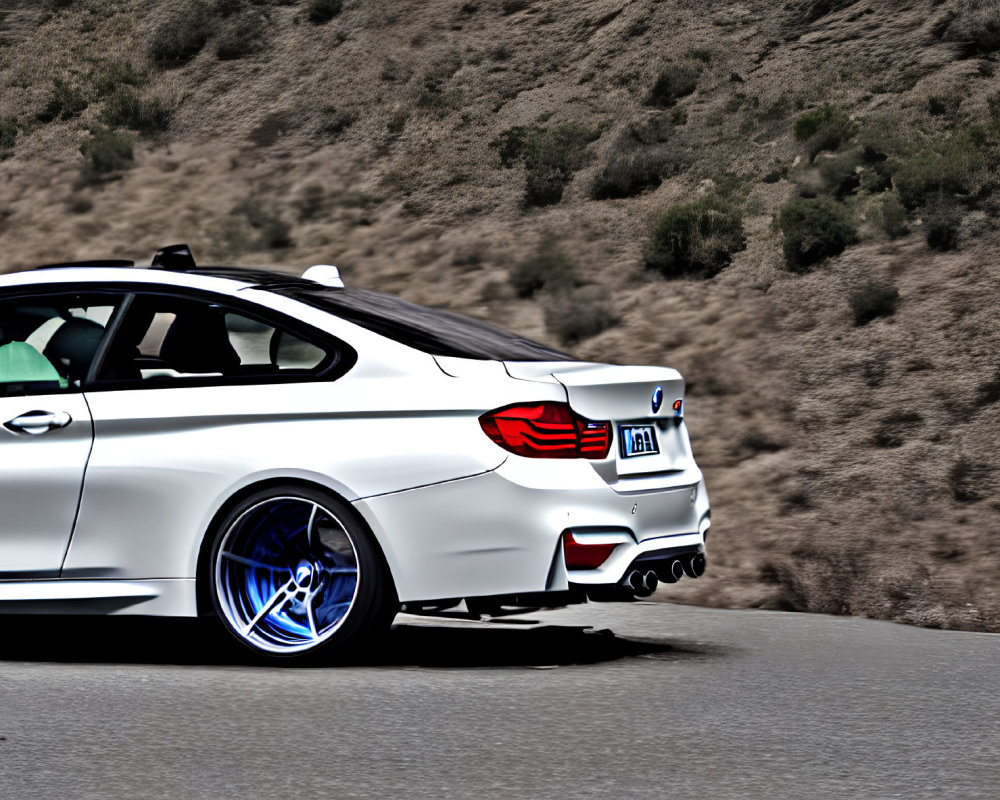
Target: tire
[295,573]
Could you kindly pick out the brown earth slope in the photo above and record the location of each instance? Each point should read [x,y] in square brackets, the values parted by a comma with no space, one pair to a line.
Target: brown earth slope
[853,467]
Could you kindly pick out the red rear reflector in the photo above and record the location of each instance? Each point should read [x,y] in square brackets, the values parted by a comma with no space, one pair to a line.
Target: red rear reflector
[547,430]
[585,556]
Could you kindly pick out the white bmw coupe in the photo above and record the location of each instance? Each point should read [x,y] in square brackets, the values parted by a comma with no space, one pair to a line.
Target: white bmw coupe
[304,460]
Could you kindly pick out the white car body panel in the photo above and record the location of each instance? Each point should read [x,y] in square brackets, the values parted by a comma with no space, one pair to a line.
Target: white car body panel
[40,481]
[398,437]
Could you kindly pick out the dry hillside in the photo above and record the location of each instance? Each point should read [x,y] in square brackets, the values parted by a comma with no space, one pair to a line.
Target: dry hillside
[794,203]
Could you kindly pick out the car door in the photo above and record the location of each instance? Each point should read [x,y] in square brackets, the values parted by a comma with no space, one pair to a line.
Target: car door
[191,394]
[47,345]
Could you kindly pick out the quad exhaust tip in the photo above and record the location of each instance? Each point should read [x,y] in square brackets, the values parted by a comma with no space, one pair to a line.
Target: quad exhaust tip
[642,583]
[671,572]
[694,565]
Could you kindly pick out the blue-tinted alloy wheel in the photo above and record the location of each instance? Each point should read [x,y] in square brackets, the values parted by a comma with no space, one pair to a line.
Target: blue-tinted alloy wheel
[286,574]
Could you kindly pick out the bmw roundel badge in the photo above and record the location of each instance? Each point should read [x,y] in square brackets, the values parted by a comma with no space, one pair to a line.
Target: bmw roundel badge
[657,398]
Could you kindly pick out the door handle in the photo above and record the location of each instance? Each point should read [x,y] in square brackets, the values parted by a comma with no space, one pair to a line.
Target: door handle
[38,422]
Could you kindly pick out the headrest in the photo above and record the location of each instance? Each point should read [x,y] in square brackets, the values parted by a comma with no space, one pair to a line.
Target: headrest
[73,346]
[197,341]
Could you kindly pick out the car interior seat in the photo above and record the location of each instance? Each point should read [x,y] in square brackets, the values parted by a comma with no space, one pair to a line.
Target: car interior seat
[73,346]
[198,342]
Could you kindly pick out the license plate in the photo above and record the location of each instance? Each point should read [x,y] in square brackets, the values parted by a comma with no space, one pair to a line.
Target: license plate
[637,440]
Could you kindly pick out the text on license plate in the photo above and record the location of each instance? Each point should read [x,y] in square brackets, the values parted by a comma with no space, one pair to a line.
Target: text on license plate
[637,440]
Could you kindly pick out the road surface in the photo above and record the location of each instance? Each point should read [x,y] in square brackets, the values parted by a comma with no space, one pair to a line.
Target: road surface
[675,702]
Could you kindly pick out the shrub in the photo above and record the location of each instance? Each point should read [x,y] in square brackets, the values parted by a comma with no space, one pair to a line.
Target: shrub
[975,27]
[544,185]
[319,12]
[551,156]
[562,146]
[755,442]
[826,128]
[875,172]
[181,36]
[549,268]
[576,314]
[113,75]
[242,35]
[397,121]
[969,480]
[951,167]
[942,219]
[943,105]
[311,201]
[78,204]
[993,106]
[814,229]
[839,174]
[64,103]
[513,6]
[812,10]
[989,392]
[810,123]
[276,234]
[884,136]
[8,132]
[891,216]
[333,121]
[106,152]
[273,232]
[432,94]
[226,8]
[695,239]
[896,426]
[674,82]
[872,300]
[631,169]
[126,108]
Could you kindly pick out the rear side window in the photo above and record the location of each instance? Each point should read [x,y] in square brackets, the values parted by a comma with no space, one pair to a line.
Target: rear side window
[164,340]
[437,332]
[48,343]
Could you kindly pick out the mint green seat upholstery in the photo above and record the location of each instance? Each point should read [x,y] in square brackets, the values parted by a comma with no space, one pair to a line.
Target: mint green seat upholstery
[22,363]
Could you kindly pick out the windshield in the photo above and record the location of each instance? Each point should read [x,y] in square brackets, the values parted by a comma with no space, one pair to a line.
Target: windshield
[433,331]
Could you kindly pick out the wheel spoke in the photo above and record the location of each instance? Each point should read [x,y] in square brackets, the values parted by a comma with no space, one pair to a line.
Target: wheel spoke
[311,617]
[340,570]
[251,562]
[274,602]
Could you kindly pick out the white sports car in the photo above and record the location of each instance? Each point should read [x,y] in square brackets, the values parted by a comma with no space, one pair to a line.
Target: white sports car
[305,460]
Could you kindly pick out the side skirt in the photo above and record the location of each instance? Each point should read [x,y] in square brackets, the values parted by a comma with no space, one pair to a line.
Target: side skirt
[161,598]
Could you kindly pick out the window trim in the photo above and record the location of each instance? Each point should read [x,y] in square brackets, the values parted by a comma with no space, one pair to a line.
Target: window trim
[345,356]
[48,292]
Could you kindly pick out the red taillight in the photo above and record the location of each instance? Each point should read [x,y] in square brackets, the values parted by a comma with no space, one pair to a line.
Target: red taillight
[585,556]
[547,430]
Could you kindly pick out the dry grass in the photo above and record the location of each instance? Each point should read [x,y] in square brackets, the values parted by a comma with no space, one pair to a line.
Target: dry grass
[364,140]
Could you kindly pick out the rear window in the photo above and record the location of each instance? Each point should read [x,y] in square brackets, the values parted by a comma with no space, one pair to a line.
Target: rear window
[433,331]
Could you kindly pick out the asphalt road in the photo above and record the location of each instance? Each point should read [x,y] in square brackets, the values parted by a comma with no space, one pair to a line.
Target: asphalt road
[676,702]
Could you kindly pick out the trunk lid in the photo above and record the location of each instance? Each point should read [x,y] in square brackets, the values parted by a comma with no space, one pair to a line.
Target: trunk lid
[647,440]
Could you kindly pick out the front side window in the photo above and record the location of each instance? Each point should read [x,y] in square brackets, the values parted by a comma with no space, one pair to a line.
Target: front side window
[165,340]
[48,343]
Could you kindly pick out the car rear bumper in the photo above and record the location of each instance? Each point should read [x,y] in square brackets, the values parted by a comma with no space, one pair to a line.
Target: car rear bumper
[500,532]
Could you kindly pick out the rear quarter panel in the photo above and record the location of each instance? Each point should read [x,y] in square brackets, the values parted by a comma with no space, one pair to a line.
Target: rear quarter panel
[166,460]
